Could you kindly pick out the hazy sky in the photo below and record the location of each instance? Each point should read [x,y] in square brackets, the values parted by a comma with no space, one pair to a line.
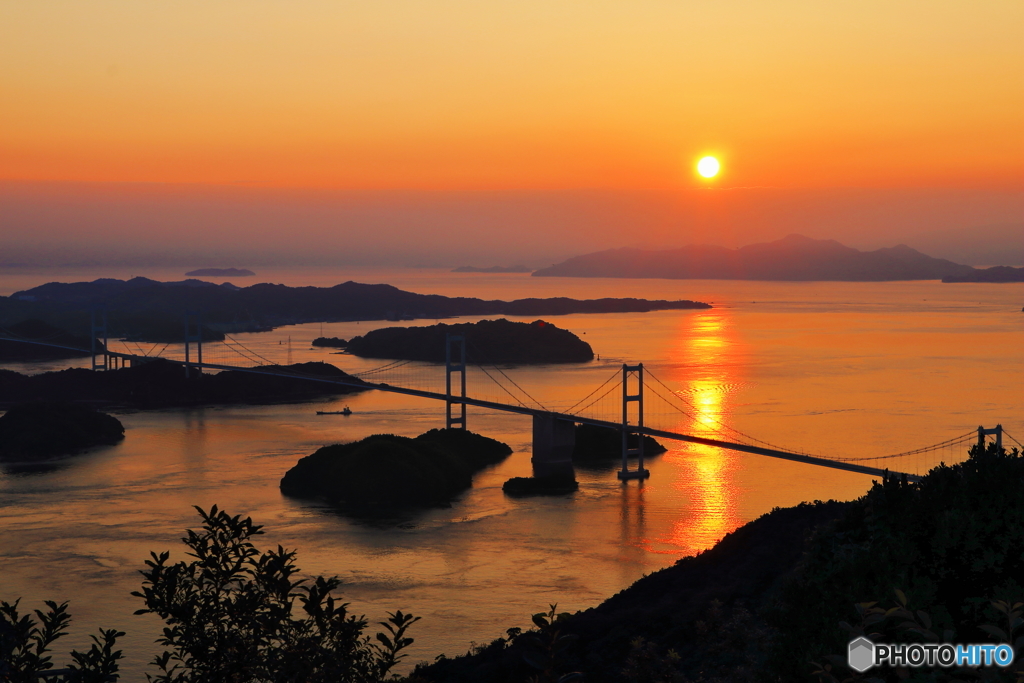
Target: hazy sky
[498,111]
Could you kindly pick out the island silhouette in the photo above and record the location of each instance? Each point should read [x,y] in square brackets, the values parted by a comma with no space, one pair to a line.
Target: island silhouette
[794,257]
[395,471]
[487,341]
[43,430]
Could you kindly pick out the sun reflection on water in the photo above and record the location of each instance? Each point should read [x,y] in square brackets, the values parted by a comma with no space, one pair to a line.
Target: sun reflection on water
[708,364]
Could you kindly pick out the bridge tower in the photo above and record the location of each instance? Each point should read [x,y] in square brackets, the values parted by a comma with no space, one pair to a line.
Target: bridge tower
[637,373]
[997,432]
[97,327]
[455,363]
[193,318]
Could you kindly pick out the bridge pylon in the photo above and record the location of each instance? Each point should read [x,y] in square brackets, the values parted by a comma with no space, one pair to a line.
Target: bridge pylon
[97,327]
[637,373]
[193,318]
[455,363]
[996,431]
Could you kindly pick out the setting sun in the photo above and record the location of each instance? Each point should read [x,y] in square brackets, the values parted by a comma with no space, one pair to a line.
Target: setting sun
[708,167]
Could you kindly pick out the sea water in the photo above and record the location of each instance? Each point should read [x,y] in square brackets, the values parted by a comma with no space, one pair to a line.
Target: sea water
[837,369]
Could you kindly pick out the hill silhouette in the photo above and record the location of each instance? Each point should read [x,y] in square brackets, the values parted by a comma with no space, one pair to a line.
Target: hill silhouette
[148,310]
[792,258]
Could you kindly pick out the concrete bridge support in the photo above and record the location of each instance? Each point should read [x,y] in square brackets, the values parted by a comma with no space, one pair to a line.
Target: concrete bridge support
[553,443]
[996,432]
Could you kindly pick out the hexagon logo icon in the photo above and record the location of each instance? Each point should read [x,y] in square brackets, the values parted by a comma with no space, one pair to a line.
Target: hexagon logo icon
[861,654]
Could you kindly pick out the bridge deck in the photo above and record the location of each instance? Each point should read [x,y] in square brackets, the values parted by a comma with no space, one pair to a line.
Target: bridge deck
[524,410]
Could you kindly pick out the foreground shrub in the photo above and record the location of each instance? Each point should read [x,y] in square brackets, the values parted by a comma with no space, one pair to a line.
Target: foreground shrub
[952,543]
[230,616]
[24,643]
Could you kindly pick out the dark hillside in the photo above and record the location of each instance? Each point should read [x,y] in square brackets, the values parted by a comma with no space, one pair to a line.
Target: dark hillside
[665,607]
[768,602]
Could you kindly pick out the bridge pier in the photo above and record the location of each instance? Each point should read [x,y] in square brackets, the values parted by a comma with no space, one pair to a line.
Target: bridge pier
[553,443]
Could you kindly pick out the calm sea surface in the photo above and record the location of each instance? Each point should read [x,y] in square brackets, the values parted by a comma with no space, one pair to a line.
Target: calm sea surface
[845,369]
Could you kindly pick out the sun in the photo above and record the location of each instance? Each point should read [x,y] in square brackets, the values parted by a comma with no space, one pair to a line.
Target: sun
[708,167]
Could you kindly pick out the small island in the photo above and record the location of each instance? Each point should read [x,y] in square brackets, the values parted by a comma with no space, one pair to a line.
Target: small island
[553,485]
[391,471]
[487,341]
[220,272]
[330,342]
[30,432]
[595,445]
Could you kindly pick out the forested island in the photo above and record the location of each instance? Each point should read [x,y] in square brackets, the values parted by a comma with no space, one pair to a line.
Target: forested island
[30,432]
[487,341]
[147,310]
[600,445]
[795,258]
[330,342]
[159,383]
[387,471]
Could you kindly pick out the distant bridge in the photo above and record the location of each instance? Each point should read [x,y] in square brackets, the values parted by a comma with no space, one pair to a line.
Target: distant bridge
[553,431]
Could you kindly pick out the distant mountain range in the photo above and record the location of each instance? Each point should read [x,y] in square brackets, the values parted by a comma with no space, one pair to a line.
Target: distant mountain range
[794,257]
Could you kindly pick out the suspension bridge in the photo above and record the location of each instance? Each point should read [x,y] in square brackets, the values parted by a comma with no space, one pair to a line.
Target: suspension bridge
[632,400]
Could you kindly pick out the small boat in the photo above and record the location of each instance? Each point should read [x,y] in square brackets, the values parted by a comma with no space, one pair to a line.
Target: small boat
[346,411]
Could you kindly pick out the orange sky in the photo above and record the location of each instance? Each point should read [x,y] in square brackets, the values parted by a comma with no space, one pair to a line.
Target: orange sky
[524,94]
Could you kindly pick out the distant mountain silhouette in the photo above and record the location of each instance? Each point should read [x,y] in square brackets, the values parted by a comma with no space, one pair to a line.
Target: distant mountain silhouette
[792,258]
[993,274]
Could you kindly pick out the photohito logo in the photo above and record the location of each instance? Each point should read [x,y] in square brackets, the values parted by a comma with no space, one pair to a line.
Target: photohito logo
[862,654]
